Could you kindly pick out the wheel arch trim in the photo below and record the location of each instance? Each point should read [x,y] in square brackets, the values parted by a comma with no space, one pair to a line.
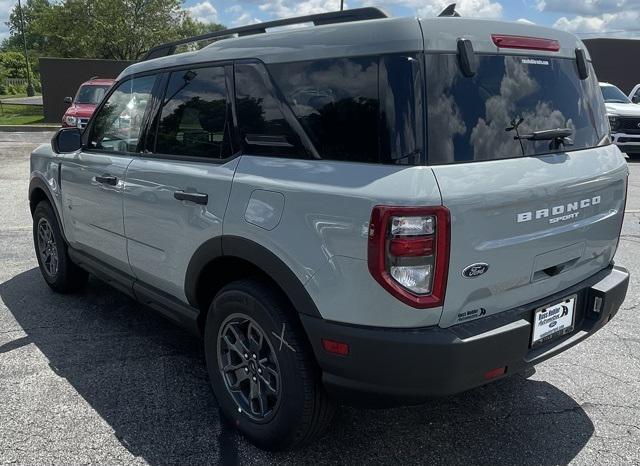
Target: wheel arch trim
[230,246]
[37,183]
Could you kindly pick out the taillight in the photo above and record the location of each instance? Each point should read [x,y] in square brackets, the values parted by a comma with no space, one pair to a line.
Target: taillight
[524,42]
[408,252]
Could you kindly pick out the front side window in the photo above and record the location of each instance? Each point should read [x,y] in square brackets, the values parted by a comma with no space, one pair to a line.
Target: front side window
[500,112]
[194,117]
[118,123]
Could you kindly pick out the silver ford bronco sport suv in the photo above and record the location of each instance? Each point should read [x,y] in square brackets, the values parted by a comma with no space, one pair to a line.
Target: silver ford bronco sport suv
[370,209]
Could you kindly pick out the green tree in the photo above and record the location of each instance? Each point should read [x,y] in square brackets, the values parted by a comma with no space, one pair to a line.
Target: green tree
[12,64]
[113,29]
[33,10]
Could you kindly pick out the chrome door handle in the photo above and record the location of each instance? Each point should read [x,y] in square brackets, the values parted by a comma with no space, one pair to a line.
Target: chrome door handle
[198,198]
[107,179]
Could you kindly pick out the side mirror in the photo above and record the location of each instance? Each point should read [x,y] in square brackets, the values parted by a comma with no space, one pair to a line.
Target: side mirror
[68,100]
[635,99]
[67,140]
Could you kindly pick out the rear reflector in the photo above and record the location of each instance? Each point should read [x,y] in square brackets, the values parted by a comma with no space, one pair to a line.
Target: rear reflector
[497,372]
[335,347]
[523,42]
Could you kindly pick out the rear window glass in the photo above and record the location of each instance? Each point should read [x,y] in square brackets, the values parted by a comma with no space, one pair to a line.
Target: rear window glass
[491,115]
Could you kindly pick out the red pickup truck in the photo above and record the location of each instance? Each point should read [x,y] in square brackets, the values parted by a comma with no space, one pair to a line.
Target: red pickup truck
[89,95]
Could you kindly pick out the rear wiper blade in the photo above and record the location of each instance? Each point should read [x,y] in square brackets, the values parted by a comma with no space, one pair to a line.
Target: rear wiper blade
[557,136]
[547,134]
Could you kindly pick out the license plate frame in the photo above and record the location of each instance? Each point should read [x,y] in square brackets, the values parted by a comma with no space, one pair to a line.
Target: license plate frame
[552,321]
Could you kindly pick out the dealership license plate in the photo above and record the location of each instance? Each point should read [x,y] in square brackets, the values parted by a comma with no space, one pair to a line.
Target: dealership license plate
[553,321]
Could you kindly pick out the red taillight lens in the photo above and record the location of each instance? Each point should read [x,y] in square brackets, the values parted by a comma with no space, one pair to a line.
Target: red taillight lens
[523,42]
[411,247]
[408,252]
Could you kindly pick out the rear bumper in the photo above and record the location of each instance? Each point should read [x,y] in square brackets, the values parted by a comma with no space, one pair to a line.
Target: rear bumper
[405,366]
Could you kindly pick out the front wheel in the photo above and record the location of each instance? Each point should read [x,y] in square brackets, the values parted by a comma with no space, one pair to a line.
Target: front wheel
[261,370]
[56,267]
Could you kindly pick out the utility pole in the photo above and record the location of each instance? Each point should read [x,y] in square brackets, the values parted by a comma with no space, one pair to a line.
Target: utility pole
[341,5]
[30,90]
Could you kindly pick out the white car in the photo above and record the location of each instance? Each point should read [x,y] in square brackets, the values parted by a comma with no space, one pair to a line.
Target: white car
[634,96]
[624,118]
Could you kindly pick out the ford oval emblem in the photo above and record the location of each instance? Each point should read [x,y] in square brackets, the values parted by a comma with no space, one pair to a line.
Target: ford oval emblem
[475,270]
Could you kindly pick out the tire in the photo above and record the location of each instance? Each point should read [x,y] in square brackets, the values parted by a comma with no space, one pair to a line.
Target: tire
[300,411]
[62,275]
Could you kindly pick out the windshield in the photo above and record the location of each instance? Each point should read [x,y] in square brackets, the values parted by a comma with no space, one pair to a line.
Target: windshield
[90,94]
[614,95]
[494,114]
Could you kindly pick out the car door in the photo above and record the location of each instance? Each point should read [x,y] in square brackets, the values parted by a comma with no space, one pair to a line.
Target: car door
[176,193]
[92,180]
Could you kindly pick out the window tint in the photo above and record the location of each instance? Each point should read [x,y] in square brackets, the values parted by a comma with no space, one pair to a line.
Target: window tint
[402,109]
[117,125]
[336,101]
[263,126]
[193,121]
[364,109]
[468,118]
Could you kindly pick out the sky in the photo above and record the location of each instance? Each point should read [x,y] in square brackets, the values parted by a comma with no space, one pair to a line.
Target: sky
[586,18]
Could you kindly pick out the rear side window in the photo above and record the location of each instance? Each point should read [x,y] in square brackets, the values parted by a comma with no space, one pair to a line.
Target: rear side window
[360,109]
[261,115]
[337,103]
[477,118]
[194,118]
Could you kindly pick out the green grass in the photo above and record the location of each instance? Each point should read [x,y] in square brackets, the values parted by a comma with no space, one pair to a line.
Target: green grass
[20,114]
[10,96]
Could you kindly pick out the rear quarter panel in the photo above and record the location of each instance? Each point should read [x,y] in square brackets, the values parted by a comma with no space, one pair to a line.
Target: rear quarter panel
[322,233]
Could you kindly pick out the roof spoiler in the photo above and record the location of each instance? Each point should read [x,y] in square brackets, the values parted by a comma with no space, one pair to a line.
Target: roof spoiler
[346,16]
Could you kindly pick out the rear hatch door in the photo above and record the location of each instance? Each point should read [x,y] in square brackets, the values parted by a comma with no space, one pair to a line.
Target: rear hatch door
[528,217]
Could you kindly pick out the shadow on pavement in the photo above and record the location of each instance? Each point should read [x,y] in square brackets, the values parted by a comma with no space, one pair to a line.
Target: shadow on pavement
[148,381]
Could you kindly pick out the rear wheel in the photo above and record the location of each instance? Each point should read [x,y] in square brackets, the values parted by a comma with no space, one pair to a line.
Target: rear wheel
[261,370]
[56,267]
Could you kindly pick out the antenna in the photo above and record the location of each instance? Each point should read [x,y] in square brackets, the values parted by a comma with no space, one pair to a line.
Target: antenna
[449,12]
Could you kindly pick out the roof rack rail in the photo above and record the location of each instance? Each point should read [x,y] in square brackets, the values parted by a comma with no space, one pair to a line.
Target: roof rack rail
[345,16]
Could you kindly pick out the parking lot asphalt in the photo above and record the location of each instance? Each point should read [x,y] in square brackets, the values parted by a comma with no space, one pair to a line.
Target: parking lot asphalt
[97,378]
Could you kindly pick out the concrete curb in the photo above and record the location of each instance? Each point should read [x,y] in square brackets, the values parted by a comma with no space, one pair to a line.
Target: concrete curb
[28,128]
